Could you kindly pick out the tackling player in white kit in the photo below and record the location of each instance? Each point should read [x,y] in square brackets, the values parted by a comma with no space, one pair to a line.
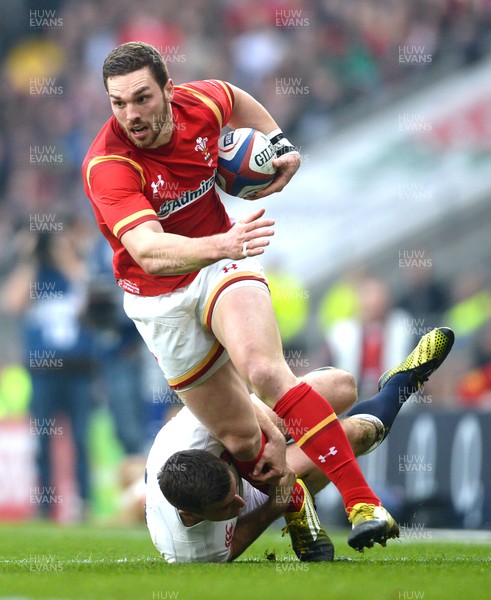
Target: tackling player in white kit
[198,509]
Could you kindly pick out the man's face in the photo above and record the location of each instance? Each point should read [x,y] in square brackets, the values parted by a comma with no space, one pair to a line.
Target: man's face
[225,509]
[141,107]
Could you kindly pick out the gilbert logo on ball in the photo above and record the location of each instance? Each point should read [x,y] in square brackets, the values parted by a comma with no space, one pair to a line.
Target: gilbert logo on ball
[245,162]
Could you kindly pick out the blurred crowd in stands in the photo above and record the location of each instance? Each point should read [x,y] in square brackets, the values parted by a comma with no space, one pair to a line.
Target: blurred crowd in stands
[366,325]
[314,64]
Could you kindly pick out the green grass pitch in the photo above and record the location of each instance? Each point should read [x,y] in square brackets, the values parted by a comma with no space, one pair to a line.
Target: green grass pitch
[90,562]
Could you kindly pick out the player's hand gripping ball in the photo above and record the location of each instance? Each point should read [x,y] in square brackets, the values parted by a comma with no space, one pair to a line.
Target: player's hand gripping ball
[245,162]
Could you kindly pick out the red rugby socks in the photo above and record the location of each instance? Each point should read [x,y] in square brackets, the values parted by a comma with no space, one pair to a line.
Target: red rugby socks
[313,425]
[246,467]
[297,498]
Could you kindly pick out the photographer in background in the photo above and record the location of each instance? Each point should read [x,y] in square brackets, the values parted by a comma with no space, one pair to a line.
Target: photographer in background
[119,347]
[46,291]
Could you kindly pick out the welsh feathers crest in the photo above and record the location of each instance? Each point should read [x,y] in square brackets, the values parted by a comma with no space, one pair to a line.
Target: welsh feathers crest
[201,146]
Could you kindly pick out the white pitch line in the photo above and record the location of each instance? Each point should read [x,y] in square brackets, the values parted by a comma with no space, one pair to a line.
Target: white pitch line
[48,558]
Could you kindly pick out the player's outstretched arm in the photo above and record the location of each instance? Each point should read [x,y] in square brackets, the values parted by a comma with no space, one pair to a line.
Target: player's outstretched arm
[272,465]
[160,253]
[250,526]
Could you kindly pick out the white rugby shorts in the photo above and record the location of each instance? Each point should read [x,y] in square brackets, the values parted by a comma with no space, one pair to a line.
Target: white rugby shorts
[176,326]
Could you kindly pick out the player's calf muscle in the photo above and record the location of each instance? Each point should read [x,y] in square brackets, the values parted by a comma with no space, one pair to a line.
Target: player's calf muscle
[268,384]
[243,447]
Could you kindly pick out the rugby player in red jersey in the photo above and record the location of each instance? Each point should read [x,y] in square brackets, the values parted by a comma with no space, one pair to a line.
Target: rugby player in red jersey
[194,287]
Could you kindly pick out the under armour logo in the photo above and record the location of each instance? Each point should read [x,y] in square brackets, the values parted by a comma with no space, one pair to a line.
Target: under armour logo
[332,452]
[230,267]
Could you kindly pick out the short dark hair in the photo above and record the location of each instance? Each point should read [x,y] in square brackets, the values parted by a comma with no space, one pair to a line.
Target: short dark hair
[193,479]
[133,56]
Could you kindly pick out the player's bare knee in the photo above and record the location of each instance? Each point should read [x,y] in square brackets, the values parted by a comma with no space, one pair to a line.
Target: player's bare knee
[347,389]
[261,378]
[268,381]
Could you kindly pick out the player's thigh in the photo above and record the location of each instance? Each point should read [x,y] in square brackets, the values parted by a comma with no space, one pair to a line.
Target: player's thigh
[244,322]
[223,405]
[337,386]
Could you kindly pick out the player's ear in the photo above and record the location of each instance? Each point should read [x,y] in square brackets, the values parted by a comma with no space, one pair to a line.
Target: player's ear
[169,90]
[188,517]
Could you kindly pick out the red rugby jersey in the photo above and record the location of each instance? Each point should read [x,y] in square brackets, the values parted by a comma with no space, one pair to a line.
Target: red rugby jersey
[173,184]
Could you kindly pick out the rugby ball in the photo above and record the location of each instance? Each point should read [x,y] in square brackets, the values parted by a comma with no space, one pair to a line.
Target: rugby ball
[245,162]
